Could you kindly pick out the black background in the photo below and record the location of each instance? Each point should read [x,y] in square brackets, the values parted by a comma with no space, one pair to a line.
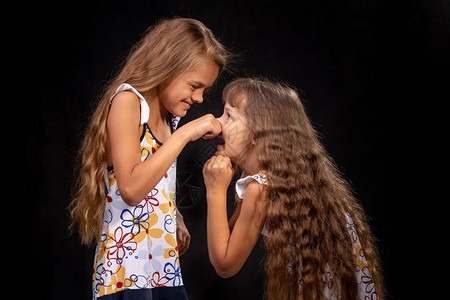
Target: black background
[368,72]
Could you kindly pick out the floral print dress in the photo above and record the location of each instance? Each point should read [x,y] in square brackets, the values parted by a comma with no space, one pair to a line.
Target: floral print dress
[137,255]
[366,286]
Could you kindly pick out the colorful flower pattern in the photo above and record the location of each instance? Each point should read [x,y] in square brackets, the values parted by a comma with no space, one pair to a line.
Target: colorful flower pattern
[138,247]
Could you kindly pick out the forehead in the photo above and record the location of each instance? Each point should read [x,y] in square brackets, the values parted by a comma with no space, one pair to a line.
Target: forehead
[205,73]
[236,99]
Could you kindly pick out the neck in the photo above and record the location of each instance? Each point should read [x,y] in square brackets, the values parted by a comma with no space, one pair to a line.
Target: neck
[158,113]
[249,165]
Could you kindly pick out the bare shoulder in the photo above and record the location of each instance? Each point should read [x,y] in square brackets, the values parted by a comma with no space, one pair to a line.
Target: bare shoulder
[125,99]
[125,105]
[252,213]
[253,197]
[254,190]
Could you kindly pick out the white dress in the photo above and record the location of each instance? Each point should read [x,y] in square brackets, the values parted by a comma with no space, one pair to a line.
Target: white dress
[138,251]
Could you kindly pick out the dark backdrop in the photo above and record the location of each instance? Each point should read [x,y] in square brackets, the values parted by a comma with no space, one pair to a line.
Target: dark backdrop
[361,67]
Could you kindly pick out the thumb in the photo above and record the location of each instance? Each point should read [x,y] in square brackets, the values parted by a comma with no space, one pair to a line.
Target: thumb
[233,167]
[232,164]
[215,130]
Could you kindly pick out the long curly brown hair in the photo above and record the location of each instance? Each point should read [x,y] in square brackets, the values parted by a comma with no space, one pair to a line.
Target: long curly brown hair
[307,198]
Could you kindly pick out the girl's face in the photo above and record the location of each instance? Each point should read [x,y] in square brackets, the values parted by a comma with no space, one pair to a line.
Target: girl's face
[235,133]
[178,95]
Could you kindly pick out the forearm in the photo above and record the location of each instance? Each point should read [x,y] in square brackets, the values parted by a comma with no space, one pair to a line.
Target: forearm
[141,179]
[218,232]
[234,217]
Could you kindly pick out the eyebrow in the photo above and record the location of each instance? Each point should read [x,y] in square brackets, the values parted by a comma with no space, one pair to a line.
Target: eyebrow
[201,84]
[230,108]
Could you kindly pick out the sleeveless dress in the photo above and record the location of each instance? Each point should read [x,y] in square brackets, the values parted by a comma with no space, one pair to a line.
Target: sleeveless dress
[137,256]
[366,286]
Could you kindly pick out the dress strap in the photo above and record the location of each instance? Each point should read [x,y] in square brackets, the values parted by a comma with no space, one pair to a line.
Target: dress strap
[241,187]
[145,109]
[242,184]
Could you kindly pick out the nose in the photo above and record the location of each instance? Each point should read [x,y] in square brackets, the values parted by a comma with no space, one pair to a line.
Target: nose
[221,125]
[221,122]
[197,96]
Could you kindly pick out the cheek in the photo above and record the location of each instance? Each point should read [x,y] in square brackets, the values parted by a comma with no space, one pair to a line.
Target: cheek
[183,94]
[175,92]
[236,138]
[226,132]
[174,96]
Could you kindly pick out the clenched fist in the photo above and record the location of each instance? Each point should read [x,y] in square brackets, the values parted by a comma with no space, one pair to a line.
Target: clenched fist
[217,173]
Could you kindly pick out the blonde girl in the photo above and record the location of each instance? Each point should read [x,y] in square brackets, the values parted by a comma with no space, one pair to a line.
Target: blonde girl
[319,245]
[125,193]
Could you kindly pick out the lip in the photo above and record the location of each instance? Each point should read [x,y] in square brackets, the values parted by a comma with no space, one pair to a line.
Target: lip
[221,145]
[186,104]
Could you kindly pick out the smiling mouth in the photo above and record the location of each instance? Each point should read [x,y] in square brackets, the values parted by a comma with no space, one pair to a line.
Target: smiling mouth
[186,104]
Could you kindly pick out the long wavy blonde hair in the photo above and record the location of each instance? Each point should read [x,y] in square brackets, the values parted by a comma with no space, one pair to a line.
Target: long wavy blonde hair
[166,50]
[307,197]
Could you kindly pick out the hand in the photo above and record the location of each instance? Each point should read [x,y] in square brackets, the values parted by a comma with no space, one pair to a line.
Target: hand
[183,236]
[218,172]
[206,127]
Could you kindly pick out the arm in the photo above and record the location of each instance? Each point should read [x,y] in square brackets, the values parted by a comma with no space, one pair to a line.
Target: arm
[229,250]
[135,178]
[183,236]
[235,215]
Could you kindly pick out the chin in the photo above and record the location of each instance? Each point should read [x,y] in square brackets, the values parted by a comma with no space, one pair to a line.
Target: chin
[224,153]
[179,112]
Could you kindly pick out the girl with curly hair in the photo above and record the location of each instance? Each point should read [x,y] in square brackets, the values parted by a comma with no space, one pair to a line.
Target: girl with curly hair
[319,244]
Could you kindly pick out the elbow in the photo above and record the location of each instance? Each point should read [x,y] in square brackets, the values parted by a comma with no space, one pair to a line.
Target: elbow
[224,266]
[226,272]
[130,197]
